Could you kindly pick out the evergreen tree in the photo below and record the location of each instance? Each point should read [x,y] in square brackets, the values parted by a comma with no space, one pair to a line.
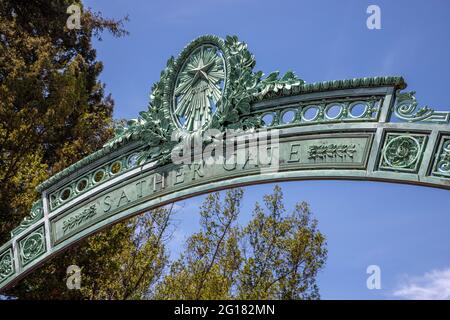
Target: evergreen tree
[53,112]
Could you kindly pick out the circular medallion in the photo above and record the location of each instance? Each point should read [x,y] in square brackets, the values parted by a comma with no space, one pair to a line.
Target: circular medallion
[33,246]
[198,83]
[402,152]
[6,266]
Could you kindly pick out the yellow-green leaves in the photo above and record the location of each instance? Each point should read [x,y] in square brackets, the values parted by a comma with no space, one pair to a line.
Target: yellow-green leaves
[275,256]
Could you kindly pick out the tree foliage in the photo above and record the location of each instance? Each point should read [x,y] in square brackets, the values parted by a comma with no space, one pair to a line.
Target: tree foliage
[53,110]
[275,256]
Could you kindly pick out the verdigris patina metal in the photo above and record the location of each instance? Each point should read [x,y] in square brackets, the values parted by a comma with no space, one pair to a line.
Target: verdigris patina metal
[359,129]
[198,87]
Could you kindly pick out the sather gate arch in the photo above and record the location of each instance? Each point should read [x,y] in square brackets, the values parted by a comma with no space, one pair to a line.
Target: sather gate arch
[357,129]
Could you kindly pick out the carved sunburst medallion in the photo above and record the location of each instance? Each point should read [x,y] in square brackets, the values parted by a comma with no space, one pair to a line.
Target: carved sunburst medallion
[198,87]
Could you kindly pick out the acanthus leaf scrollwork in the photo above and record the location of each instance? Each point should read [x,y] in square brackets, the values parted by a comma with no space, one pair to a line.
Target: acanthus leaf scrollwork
[407,108]
[443,165]
[156,129]
[36,213]
[153,127]
[77,220]
[244,85]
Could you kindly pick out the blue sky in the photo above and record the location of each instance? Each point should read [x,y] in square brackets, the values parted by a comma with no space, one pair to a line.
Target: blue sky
[403,229]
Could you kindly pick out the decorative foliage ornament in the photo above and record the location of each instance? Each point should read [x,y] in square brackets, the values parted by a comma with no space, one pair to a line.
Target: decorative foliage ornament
[444,161]
[321,152]
[209,85]
[36,213]
[406,108]
[402,152]
[6,265]
[79,219]
[32,246]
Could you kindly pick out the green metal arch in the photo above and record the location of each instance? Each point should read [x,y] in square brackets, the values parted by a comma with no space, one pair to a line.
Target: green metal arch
[391,139]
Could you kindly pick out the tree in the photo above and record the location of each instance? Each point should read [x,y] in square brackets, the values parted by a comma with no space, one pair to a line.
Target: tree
[285,252]
[211,259]
[275,256]
[53,112]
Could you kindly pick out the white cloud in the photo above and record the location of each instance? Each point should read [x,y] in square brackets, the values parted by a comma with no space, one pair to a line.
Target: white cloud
[434,285]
